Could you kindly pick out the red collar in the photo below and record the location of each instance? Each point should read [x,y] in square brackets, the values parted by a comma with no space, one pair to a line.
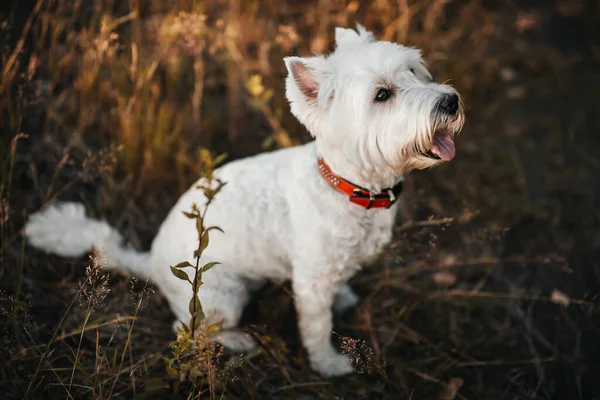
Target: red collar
[358,195]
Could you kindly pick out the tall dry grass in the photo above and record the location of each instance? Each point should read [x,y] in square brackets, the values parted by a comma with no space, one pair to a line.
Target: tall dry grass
[162,79]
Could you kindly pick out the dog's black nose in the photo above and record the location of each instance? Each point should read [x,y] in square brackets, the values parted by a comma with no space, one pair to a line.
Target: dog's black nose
[449,103]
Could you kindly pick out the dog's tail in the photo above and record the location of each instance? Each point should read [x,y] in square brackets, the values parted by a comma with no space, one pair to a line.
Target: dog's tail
[65,230]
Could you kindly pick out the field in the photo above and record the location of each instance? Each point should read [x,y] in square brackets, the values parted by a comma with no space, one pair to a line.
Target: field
[489,289]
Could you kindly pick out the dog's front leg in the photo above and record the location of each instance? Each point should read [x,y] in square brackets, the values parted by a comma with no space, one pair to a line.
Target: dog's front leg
[314,299]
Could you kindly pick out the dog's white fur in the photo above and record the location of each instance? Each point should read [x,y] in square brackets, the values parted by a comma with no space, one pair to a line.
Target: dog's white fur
[281,219]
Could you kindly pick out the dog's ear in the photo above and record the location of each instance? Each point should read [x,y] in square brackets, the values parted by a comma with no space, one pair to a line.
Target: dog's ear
[311,78]
[345,36]
[303,76]
[309,88]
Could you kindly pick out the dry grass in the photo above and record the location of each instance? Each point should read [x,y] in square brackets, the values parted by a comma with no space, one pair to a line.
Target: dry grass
[489,290]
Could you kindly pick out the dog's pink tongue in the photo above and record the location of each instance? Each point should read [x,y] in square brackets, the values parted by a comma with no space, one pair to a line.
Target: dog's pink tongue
[443,146]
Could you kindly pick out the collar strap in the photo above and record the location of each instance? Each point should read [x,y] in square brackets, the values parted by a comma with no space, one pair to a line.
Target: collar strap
[359,195]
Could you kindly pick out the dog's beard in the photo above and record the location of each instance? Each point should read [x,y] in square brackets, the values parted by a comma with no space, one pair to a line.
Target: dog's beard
[444,127]
[433,143]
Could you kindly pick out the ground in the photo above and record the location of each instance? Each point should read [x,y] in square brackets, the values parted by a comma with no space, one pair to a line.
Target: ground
[489,288]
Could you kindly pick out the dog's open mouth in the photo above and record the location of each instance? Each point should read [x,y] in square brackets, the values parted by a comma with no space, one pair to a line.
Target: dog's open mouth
[443,147]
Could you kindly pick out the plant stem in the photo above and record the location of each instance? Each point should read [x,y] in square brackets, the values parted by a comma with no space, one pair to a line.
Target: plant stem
[195,284]
[137,309]
[197,266]
[87,317]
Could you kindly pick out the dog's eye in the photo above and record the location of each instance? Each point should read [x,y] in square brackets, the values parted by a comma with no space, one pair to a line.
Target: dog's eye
[383,95]
[413,71]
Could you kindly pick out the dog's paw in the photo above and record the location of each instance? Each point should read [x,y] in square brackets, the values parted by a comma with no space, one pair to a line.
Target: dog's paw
[334,365]
[235,340]
[345,299]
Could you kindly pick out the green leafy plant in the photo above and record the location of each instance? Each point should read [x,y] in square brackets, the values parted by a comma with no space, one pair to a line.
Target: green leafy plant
[193,354]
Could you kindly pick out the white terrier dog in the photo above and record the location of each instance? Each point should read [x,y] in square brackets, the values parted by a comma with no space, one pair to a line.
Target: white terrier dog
[311,214]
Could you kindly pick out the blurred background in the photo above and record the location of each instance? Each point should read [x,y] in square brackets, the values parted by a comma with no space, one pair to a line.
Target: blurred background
[489,289]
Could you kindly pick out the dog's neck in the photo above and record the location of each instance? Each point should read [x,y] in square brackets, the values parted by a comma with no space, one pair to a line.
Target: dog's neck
[368,177]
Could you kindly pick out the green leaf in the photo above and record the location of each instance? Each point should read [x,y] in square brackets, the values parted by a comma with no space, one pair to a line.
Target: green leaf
[209,265]
[204,242]
[205,155]
[169,362]
[185,327]
[215,228]
[220,158]
[216,191]
[219,187]
[194,305]
[213,328]
[189,214]
[200,315]
[183,265]
[180,274]
[172,372]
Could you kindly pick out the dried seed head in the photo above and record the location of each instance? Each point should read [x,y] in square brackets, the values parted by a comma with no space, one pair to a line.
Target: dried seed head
[360,355]
[94,287]
[186,32]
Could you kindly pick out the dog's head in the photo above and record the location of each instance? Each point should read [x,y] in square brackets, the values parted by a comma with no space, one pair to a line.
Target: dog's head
[376,103]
